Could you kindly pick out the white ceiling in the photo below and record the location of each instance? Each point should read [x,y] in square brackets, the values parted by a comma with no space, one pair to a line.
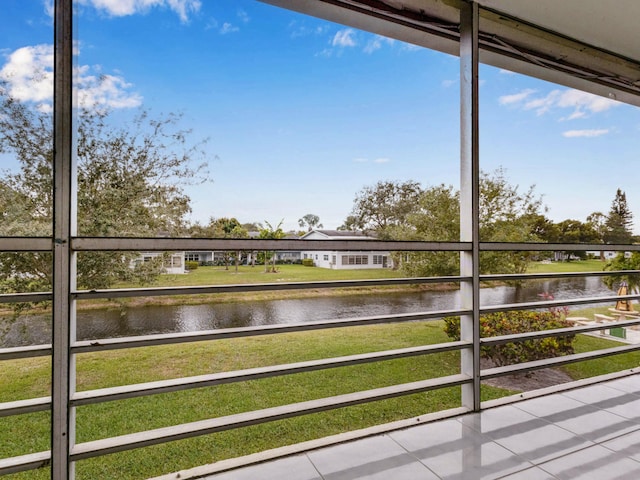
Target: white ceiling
[611,25]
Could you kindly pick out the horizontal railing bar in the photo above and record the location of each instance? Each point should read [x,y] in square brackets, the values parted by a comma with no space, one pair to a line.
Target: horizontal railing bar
[21,407]
[24,462]
[555,303]
[225,333]
[15,353]
[555,361]
[178,384]
[178,244]
[259,287]
[26,244]
[557,332]
[204,427]
[533,276]
[560,247]
[25,297]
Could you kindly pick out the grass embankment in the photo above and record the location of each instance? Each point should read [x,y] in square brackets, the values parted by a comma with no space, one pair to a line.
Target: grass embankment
[30,378]
[296,273]
[254,275]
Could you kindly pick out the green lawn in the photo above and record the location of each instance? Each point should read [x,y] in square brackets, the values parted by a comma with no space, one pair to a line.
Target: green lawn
[30,378]
[592,265]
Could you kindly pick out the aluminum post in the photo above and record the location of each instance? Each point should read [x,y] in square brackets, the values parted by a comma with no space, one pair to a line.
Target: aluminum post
[62,428]
[470,200]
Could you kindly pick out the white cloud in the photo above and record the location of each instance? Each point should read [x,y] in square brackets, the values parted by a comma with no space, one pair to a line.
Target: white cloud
[243,16]
[448,83]
[299,29]
[121,8]
[382,160]
[48,7]
[228,28]
[376,43]
[585,133]
[516,97]
[582,104]
[344,38]
[28,74]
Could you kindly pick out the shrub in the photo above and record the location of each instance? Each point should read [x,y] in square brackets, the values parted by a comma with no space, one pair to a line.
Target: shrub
[307,262]
[507,323]
[191,265]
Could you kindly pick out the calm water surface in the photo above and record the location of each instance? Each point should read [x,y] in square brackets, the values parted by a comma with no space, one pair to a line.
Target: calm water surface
[95,324]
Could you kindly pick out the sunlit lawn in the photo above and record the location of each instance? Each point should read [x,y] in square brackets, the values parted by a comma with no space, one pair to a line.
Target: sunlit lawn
[591,265]
[30,378]
[257,274]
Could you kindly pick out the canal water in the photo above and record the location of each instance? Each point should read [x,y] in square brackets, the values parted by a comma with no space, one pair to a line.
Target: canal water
[133,321]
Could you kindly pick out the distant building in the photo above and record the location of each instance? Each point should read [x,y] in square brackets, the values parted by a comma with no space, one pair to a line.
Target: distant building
[173,263]
[345,260]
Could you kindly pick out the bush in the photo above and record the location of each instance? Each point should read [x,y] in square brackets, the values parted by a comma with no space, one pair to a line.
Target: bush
[191,265]
[307,262]
[507,323]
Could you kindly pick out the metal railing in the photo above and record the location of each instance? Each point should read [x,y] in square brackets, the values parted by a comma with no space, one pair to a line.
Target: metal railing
[167,434]
[65,244]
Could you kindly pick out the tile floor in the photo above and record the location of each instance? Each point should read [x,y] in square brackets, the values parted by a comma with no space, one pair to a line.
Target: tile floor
[588,433]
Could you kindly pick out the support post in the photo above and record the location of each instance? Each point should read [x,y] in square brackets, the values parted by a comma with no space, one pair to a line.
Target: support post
[470,199]
[64,224]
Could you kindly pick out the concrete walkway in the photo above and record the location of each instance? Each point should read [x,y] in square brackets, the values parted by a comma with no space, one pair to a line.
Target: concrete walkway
[588,433]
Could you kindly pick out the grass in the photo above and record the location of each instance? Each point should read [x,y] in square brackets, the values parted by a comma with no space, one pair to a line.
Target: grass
[591,265]
[26,378]
[29,377]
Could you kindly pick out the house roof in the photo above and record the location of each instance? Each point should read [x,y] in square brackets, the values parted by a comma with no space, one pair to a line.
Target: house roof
[339,234]
[590,45]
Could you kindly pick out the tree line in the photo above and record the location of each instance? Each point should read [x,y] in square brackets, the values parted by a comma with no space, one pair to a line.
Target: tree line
[406,211]
[132,178]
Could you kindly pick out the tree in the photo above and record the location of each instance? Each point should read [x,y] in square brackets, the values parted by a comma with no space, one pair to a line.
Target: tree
[271,233]
[130,177]
[384,205]
[619,221]
[574,231]
[310,221]
[622,262]
[435,218]
[506,216]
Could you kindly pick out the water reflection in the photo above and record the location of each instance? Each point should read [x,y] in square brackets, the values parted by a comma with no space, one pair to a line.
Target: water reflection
[94,324]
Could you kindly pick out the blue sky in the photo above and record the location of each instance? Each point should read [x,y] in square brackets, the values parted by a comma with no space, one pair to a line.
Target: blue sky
[301,114]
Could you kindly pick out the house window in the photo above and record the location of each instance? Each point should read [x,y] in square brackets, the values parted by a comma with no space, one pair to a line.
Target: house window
[325,258]
[316,256]
[379,259]
[305,256]
[333,259]
[355,259]
[192,257]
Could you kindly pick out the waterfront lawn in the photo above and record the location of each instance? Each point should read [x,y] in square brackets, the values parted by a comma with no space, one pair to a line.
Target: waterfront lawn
[591,265]
[99,370]
[285,273]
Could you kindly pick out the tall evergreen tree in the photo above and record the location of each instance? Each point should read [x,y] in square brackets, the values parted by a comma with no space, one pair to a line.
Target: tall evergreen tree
[619,221]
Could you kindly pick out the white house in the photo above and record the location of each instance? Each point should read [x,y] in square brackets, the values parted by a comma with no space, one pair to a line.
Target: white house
[337,259]
[173,263]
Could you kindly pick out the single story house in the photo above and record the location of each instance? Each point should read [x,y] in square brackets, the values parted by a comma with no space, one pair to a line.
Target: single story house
[174,263]
[347,260]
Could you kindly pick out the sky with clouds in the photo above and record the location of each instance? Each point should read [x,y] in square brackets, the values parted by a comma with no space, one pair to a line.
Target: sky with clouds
[300,114]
